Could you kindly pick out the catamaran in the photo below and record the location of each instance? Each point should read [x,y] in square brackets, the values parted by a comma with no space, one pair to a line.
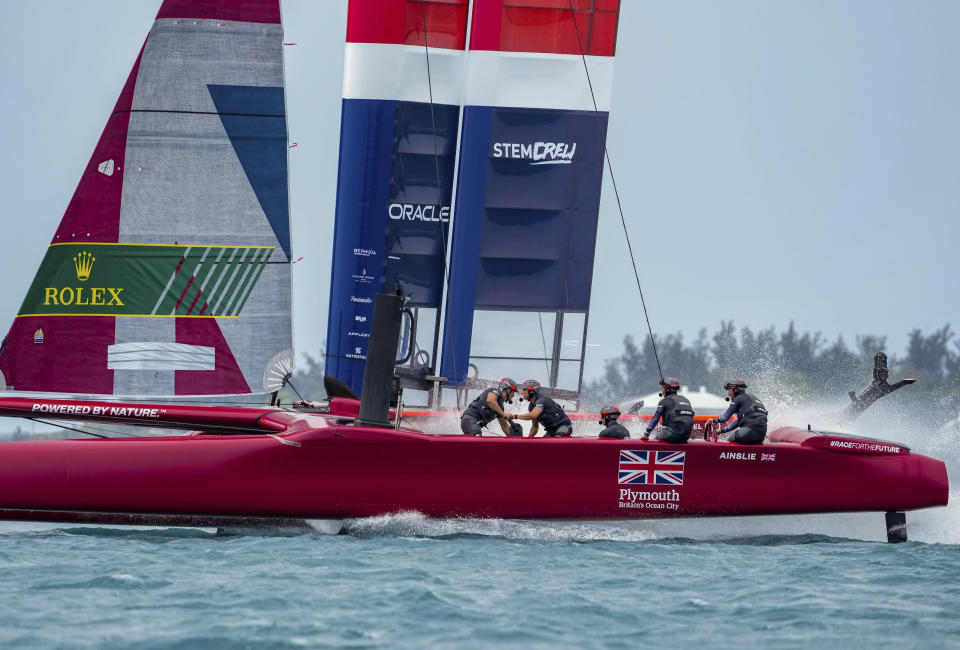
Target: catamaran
[471,158]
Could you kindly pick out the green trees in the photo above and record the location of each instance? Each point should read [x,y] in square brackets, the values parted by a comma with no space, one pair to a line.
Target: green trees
[791,364]
[804,365]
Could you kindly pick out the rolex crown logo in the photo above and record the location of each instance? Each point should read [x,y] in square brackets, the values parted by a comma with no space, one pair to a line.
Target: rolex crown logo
[84,264]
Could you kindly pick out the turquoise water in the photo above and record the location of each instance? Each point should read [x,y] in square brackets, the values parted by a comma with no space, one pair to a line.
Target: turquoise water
[406,581]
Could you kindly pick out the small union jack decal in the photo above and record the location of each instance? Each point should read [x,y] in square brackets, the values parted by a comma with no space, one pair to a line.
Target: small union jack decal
[651,467]
[768,457]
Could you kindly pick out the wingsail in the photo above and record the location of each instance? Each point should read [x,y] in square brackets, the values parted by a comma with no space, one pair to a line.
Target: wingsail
[395,183]
[169,272]
[528,189]
[505,117]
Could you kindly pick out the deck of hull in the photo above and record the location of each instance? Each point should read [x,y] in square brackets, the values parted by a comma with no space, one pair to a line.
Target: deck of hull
[335,471]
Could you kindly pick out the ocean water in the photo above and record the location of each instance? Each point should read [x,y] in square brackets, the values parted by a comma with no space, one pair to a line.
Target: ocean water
[409,582]
[405,581]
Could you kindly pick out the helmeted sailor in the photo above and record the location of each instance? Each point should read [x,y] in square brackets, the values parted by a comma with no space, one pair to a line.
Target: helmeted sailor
[674,411]
[750,427]
[543,411]
[608,418]
[489,405]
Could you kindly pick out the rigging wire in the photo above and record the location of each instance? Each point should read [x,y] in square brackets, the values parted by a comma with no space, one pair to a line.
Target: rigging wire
[613,182]
[444,231]
[290,384]
[134,399]
[543,339]
[183,426]
[63,426]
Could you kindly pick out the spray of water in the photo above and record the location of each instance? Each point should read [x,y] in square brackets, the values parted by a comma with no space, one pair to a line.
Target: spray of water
[888,419]
[414,524]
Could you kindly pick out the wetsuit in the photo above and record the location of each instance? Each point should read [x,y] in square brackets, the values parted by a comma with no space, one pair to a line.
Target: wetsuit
[677,416]
[615,430]
[554,421]
[751,422]
[478,413]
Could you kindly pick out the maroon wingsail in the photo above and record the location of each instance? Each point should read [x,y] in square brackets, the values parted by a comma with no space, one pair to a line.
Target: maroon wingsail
[168,275]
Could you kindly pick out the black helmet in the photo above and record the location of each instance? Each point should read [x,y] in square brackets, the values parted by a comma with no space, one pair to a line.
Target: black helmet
[609,412]
[506,383]
[531,385]
[738,386]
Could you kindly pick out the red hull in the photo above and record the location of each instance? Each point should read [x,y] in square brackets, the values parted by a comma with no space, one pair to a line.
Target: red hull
[318,468]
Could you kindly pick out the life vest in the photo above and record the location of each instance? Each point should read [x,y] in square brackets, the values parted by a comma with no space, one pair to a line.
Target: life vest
[480,410]
[552,415]
[615,430]
[751,412]
[677,412]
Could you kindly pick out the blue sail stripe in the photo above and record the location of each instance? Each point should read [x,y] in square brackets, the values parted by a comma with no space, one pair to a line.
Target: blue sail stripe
[254,118]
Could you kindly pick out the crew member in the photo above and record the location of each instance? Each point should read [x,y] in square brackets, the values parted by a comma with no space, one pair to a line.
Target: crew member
[608,418]
[675,412]
[489,405]
[751,422]
[545,411]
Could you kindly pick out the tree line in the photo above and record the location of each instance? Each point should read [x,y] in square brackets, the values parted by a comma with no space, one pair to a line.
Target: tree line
[803,366]
[806,365]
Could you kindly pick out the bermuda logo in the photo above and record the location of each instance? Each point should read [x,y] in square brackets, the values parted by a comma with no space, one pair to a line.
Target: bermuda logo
[83,262]
[538,153]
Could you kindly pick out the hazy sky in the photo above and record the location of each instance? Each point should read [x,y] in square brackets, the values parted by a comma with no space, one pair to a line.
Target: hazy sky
[777,161]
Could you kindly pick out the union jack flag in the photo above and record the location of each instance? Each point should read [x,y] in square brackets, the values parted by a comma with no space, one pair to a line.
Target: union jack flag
[651,467]
[768,457]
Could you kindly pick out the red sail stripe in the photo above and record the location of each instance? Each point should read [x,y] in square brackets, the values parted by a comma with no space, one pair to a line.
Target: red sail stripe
[247,11]
[546,26]
[185,290]
[194,303]
[401,22]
